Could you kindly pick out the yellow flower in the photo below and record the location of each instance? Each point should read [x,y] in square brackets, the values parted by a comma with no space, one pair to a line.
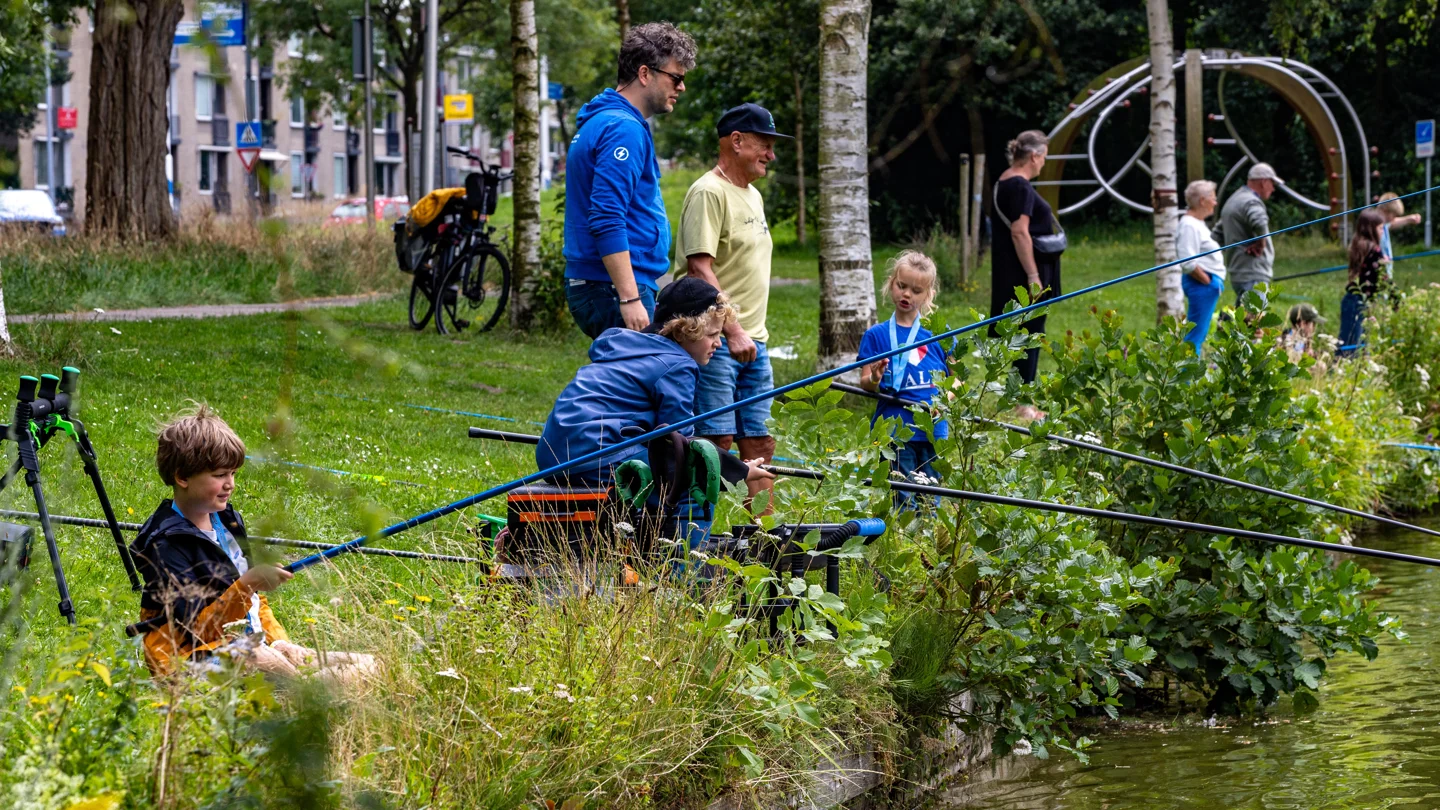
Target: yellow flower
[412,608]
[392,601]
[18,688]
[105,801]
[399,618]
[129,510]
[423,598]
[309,620]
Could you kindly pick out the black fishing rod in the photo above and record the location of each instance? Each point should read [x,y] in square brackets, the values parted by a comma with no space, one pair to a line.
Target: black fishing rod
[68,520]
[1047,506]
[1164,465]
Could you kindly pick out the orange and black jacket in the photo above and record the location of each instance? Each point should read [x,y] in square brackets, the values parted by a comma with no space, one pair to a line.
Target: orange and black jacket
[189,579]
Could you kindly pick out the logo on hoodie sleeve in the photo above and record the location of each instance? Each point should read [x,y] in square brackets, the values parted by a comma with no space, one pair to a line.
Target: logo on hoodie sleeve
[621,153]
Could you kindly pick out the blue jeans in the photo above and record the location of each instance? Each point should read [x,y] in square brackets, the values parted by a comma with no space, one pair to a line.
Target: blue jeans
[1352,321]
[724,381]
[596,306]
[1200,302]
[912,457]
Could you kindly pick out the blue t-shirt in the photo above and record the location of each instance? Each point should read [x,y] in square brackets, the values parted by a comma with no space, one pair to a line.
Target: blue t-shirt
[918,385]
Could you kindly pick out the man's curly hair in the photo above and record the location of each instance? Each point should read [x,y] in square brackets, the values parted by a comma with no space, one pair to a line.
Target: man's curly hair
[652,45]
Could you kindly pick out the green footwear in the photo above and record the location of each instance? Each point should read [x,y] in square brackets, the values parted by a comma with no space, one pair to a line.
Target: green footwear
[634,481]
[703,459]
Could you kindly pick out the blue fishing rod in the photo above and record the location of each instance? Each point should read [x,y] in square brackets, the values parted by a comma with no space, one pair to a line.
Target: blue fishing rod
[596,455]
[1337,268]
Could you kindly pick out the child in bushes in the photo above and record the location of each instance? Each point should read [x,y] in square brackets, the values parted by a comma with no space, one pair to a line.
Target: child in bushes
[1366,276]
[911,286]
[638,381]
[198,581]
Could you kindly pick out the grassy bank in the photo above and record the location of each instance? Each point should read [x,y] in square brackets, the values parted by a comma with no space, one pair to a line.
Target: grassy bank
[493,697]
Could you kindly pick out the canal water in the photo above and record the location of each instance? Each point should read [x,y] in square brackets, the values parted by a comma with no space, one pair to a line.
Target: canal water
[1373,743]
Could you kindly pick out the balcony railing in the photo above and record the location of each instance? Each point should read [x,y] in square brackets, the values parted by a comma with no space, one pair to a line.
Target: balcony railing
[267,134]
[312,138]
[392,143]
[219,130]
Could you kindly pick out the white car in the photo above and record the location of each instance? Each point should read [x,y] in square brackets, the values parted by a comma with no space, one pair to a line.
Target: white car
[31,209]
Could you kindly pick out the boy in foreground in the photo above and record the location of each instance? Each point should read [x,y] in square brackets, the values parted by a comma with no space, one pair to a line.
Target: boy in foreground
[192,554]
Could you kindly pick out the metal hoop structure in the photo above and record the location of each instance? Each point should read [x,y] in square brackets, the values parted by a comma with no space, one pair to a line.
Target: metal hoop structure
[1308,91]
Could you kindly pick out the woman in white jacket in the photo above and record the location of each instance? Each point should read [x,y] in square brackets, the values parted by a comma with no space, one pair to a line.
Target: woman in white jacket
[1204,277]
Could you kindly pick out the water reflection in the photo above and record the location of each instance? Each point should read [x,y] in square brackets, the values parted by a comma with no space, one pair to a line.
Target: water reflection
[1373,743]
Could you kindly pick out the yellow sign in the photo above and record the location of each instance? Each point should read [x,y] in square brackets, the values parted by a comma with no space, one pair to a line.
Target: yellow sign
[460,109]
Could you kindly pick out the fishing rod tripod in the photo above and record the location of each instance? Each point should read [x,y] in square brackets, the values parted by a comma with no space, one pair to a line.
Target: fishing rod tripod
[42,412]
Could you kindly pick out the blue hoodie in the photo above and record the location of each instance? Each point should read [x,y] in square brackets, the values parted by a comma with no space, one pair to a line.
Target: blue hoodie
[634,383]
[612,193]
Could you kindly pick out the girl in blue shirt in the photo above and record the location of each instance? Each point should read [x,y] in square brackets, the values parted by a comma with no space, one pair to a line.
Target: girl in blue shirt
[912,286]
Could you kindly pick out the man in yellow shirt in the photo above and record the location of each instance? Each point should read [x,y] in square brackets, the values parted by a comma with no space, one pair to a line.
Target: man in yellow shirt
[724,239]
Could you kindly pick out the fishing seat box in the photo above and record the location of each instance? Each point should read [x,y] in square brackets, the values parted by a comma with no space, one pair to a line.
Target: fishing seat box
[541,519]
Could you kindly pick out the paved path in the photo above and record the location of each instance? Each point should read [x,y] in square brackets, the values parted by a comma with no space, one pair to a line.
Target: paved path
[200,311]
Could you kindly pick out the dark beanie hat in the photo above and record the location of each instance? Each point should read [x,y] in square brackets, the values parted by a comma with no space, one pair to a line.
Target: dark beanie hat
[685,298]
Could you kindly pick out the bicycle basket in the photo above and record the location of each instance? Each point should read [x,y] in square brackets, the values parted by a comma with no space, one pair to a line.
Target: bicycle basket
[482,193]
[410,248]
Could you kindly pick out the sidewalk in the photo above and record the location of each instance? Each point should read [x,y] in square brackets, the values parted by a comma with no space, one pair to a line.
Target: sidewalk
[200,311]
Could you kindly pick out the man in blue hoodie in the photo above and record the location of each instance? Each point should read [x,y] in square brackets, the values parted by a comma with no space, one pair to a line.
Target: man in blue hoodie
[637,381]
[617,237]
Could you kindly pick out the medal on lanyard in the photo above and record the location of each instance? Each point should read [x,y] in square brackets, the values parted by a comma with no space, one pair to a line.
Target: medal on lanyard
[901,360]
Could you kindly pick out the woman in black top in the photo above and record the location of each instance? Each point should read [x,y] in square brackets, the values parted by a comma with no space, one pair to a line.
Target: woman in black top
[1366,258]
[1018,215]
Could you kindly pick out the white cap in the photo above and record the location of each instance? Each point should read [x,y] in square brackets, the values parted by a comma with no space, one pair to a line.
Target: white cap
[1264,171]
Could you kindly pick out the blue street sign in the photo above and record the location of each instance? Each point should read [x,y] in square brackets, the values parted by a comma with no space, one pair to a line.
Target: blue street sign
[554,90]
[1425,138]
[221,23]
[247,135]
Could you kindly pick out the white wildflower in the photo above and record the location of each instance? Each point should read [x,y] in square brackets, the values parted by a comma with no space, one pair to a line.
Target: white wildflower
[1089,438]
[1097,476]
[650,698]
[336,601]
[116,331]
[1023,748]
[1424,375]
[563,695]
[448,673]
[521,690]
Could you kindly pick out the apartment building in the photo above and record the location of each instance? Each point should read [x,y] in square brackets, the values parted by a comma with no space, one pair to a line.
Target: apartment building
[309,154]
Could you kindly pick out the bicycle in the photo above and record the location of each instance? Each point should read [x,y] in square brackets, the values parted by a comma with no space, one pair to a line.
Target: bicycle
[473,274]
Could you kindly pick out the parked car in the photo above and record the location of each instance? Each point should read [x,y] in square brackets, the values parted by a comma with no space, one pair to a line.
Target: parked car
[352,211]
[30,209]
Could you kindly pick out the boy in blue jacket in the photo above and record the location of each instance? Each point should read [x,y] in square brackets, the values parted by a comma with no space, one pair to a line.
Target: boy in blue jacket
[617,237]
[637,381]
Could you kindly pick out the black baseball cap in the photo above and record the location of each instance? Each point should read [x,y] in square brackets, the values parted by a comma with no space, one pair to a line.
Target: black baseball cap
[685,298]
[748,118]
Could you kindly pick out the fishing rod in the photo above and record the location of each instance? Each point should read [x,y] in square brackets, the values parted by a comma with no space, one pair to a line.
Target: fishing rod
[1164,465]
[1049,506]
[595,455]
[68,520]
[1422,254]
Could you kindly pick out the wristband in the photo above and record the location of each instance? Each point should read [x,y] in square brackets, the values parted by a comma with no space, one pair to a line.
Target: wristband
[624,301]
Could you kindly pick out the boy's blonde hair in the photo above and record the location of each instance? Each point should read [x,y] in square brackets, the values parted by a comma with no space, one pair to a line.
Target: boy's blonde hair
[919,262]
[195,441]
[1391,205]
[693,327]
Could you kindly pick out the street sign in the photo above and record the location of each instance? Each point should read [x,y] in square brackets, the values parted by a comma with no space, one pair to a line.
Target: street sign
[248,157]
[1425,138]
[460,109]
[247,134]
[221,24]
[66,117]
[554,91]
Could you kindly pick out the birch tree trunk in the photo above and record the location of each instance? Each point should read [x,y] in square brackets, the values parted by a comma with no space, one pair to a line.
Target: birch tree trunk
[1169,299]
[525,256]
[847,280]
[127,196]
[622,18]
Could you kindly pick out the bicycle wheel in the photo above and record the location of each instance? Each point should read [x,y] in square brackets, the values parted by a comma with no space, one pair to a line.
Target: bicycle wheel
[422,298]
[474,292]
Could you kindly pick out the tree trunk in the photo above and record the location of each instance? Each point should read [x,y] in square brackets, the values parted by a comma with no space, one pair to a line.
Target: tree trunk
[800,157]
[1169,301]
[847,280]
[622,17]
[127,196]
[525,256]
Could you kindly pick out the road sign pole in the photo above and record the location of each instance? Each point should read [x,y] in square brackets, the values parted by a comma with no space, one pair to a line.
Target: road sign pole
[369,121]
[49,123]
[427,98]
[1428,226]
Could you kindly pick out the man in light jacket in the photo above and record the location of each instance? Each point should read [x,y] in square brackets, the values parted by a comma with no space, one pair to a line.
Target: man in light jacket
[617,237]
[1244,217]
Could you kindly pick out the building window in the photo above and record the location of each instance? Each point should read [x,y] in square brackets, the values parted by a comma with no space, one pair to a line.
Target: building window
[297,111]
[338,117]
[204,97]
[293,47]
[42,163]
[209,171]
[297,174]
[342,171]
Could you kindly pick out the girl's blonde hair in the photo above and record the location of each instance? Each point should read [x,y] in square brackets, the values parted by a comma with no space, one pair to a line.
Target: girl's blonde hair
[919,262]
[1391,205]
[693,327]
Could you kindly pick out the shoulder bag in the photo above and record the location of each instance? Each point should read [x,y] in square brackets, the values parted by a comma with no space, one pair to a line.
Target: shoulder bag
[1050,244]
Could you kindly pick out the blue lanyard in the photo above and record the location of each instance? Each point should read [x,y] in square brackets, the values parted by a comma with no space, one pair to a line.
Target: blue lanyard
[901,360]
